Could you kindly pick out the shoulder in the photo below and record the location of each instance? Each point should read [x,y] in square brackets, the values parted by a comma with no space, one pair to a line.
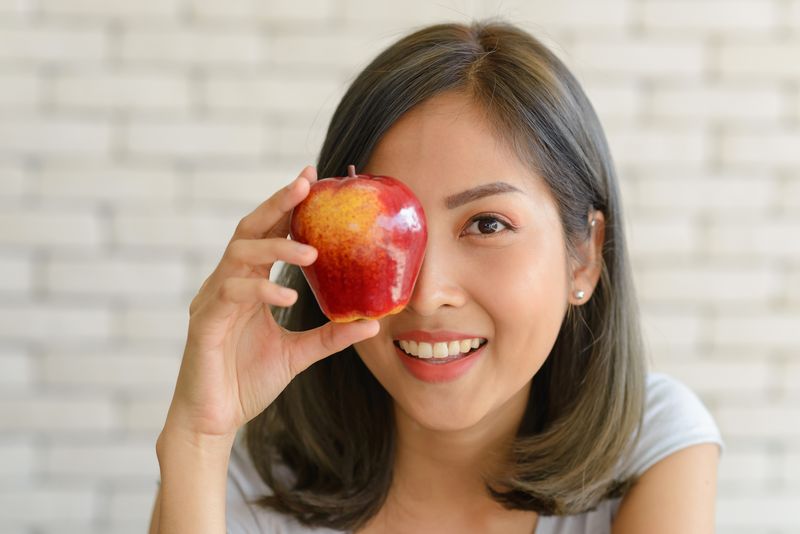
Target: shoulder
[674,418]
[675,464]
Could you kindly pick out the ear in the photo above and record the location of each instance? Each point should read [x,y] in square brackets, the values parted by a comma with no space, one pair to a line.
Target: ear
[586,272]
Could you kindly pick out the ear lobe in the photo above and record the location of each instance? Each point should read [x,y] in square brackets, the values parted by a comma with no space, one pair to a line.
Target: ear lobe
[586,274]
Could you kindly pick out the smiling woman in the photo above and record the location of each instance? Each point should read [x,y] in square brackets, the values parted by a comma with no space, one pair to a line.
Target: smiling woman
[511,394]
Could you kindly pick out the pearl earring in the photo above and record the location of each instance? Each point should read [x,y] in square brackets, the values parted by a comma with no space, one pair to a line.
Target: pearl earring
[579,294]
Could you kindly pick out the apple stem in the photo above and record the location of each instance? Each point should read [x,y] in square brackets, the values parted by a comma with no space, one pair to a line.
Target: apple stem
[351,171]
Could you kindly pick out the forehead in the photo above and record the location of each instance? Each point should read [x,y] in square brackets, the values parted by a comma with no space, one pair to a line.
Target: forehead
[445,145]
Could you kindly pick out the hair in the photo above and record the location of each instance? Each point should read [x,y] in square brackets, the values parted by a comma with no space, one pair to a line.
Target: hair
[333,426]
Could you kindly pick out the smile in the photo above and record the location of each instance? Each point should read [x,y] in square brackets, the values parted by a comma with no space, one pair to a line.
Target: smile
[441,352]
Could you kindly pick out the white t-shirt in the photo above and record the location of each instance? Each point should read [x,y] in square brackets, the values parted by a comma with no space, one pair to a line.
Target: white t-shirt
[674,418]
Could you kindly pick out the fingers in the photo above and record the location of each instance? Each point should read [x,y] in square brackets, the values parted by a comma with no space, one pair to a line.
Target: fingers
[242,255]
[264,220]
[315,344]
[234,292]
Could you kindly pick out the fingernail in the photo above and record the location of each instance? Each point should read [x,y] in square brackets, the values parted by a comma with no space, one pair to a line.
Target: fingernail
[285,292]
[305,249]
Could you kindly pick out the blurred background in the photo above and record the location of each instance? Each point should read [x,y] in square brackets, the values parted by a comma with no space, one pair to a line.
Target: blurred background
[135,134]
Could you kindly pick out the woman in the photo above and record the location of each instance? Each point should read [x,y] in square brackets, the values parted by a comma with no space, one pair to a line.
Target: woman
[554,426]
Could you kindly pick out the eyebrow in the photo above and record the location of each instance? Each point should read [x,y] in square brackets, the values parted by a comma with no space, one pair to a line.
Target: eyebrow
[485,190]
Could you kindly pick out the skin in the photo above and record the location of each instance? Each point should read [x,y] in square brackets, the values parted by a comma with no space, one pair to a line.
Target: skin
[510,287]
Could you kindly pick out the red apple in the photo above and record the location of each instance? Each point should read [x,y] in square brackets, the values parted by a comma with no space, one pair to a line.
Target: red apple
[370,233]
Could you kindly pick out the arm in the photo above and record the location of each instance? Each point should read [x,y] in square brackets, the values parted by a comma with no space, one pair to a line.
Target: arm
[193,483]
[677,494]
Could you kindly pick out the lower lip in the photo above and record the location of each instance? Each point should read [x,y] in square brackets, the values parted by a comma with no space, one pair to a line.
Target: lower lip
[436,373]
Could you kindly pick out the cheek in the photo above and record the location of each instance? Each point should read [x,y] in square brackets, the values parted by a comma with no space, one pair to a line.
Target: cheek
[525,296]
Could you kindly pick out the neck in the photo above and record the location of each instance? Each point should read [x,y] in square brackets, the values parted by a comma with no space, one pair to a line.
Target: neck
[446,468]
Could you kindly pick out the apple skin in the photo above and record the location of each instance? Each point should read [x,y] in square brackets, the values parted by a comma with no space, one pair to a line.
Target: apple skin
[370,233]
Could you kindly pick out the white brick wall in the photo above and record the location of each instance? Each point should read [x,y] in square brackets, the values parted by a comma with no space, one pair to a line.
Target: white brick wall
[135,135]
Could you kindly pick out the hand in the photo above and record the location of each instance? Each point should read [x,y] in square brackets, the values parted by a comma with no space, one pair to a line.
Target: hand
[237,359]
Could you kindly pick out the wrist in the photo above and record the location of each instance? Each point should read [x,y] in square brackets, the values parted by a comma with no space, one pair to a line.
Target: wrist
[176,437]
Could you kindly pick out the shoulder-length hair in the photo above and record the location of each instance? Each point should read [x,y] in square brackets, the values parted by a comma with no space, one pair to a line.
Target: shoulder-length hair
[333,425]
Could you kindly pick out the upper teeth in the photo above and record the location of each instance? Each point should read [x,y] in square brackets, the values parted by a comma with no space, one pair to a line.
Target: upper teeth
[439,350]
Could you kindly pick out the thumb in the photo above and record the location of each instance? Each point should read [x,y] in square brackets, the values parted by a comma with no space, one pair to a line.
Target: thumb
[318,343]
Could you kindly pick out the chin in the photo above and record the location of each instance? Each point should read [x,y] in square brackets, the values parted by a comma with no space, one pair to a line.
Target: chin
[459,416]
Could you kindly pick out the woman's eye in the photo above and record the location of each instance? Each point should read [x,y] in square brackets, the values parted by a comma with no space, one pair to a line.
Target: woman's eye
[488,225]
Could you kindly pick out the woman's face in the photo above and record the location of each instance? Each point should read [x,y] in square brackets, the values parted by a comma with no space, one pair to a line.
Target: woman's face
[503,279]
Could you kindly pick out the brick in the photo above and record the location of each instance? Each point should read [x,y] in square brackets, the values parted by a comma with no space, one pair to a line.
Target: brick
[103,8]
[16,9]
[760,329]
[790,379]
[129,461]
[707,16]
[152,323]
[290,97]
[722,103]
[789,199]
[129,90]
[297,142]
[720,284]
[698,192]
[22,91]
[766,510]
[398,17]
[657,237]
[118,184]
[773,237]
[132,506]
[51,322]
[16,370]
[770,421]
[178,45]
[242,188]
[793,17]
[110,371]
[722,378]
[745,468]
[196,139]
[17,460]
[633,57]
[791,470]
[130,278]
[645,147]
[13,182]
[198,232]
[677,333]
[576,15]
[762,148]
[52,43]
[276,11]
[614,100]
[230,10]
[763,60]
[350,51]
[146,416]
[52,413]
[792,288]
[40,506]
[47,228]
[15,275]
[55,136]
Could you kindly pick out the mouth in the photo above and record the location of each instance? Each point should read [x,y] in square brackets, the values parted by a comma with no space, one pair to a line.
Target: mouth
[439,353]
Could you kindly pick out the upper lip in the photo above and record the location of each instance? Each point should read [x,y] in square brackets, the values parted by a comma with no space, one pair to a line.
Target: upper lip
[434,337]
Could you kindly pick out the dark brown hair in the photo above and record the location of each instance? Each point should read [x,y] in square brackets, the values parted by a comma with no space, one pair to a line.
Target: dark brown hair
[333,426]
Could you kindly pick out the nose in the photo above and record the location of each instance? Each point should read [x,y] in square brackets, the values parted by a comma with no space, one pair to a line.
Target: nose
[437,285]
